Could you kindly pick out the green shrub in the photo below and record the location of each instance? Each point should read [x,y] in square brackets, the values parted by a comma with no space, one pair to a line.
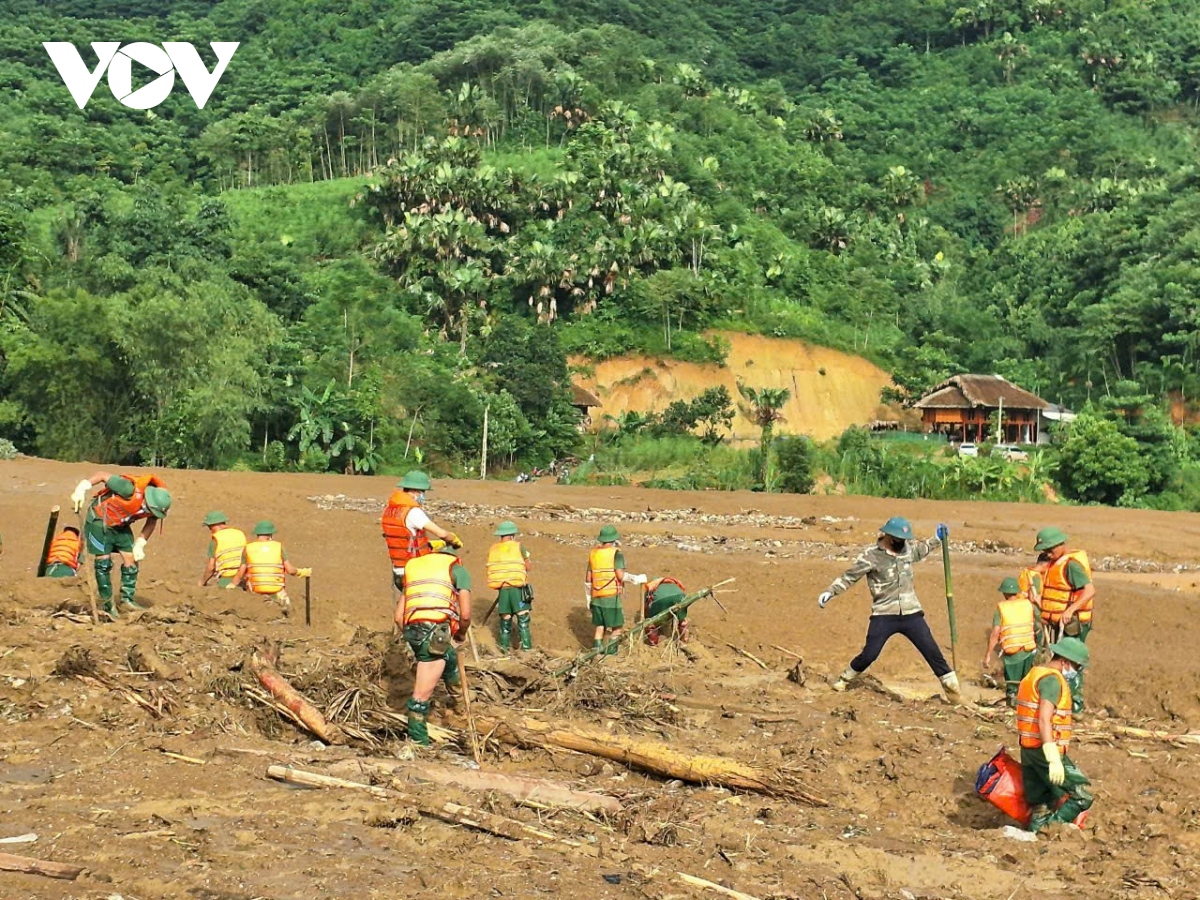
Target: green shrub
[794,459]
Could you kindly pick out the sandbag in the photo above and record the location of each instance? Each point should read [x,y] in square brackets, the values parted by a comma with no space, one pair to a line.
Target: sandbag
[999,782]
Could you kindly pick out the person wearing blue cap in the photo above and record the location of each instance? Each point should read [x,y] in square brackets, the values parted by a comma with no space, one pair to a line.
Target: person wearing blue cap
[895,609]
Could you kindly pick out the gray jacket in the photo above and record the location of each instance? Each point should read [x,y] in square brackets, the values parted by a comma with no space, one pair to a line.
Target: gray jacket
[889,577]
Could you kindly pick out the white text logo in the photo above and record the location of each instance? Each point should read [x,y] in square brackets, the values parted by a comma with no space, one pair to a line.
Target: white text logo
[171,58]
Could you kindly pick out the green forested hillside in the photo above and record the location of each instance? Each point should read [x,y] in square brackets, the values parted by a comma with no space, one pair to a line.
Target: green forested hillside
[391,215]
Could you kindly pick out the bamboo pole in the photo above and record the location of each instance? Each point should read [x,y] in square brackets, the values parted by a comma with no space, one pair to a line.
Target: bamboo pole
[51,526]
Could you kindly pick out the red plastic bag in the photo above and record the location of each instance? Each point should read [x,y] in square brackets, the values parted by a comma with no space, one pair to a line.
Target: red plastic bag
[1000,783]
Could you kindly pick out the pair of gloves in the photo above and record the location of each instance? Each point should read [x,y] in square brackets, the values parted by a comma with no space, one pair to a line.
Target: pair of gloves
[943,532]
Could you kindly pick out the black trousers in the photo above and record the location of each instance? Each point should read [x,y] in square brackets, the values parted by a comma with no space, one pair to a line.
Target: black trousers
[914,627]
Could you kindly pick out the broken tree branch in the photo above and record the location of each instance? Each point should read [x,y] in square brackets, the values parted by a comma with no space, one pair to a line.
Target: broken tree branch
[712,886]
[262,664]
[750,656]
[30,866]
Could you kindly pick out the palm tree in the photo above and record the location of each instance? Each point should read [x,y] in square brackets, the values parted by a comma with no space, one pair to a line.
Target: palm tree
[763,407]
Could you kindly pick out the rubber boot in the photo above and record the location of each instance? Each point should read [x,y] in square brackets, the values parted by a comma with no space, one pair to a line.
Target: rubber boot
[524,634]
[104,586]
[611,647]
[455,698]
[845,679]
[597,645]
[652,635]
[505,633]
[950,684]
[1041,817]
[129,576]
[418,729]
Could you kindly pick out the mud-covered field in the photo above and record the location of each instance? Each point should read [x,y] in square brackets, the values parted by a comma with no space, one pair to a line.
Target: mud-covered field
[90,759]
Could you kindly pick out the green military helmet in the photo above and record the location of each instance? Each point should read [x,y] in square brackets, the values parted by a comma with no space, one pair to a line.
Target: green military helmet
[609,534]
[1010,585]
[216,518]
[1049,538]
[158,501]
[506,528]
[1072,649]
[265,527]
[415,481]
[898,527]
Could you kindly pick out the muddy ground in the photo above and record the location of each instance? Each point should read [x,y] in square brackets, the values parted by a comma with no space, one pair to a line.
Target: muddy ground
[84,767]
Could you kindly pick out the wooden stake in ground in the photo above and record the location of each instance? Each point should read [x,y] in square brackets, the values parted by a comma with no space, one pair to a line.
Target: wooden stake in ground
[51,526]
[30,866]
[262,664]
[650,756]
[307,599]
[466,689]
[950,603]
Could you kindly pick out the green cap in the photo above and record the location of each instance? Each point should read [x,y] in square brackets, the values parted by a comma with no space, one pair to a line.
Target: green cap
[506,528]
[1010,585]
[216,518]
[158,501]
[415,481]
[608,534]
[1049,537]
[266,526]
[1073,649]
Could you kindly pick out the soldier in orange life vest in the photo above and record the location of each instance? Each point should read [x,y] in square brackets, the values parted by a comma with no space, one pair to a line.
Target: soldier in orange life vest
[603,582]
[508,573]
[1068,595]
[121,501]
[1014,629]
[661,595]
[265,566]
[434,613]
[224,550]
[62,561]
[1054,786]
[406,526]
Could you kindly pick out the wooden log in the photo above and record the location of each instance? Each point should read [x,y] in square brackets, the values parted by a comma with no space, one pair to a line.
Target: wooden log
[519,787]
[142,658]
[1189,738]
[454,813]
[649,756]
[712,886]
[262,664]
[51,525]
[30,866]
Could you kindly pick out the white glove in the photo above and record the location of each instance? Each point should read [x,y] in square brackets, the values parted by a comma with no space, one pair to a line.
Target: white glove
[587,592]
[636,579]
[824,599]
[139,549]
[1057,773]
[79,495]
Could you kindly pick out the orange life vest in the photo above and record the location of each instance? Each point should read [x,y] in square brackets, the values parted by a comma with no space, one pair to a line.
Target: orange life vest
[1057,592]
[118,512]
[1028,700]
[402,544]
[1032,584]
[1016,625]
[603,563]
[228,544]
[429,595]
[65,550]
[506,566]
[264,567]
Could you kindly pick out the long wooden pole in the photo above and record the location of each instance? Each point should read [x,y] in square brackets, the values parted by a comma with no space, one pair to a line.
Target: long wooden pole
[51,526]
[307,599]
[466,688]
[483,452]
[950,603]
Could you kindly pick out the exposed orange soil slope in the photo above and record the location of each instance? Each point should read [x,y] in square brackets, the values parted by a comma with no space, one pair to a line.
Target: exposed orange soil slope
[821,405]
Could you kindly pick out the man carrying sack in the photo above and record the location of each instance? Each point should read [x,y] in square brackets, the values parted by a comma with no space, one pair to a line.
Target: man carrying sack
[1044,726]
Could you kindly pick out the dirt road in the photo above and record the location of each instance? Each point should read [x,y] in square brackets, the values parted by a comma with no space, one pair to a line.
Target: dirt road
[84,768]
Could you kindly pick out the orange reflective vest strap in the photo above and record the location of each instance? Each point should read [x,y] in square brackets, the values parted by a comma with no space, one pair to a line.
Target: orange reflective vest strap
[429,595]
[227,551]
[603,563]
[1028,700]
[1032,583]
[506,566]
[65,550]
[402,544]
[119,512]
[264,567]
[1016,625]
[1057,591]
[659,582]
